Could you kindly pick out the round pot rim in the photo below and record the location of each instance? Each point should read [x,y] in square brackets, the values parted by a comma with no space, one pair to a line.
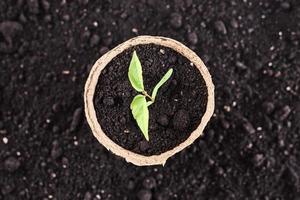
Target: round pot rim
[135,158]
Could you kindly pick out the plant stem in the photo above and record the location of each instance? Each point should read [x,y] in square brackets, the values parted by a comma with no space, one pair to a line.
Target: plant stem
[147,95]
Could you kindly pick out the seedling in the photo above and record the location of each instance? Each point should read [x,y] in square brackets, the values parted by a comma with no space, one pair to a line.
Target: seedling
[139,104]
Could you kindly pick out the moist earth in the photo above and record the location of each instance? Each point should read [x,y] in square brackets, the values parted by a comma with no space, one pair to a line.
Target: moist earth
[178,108]
[249,150]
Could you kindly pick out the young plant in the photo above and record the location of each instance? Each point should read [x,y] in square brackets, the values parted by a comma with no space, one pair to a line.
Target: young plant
[139,104]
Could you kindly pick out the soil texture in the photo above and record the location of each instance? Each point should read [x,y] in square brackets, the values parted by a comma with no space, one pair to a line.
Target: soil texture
[249,150]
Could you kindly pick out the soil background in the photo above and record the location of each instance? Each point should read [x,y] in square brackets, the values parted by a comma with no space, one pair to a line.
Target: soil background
[251,147]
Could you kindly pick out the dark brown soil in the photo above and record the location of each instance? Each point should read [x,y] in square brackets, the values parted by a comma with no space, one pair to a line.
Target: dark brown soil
[178,108]
[250,150]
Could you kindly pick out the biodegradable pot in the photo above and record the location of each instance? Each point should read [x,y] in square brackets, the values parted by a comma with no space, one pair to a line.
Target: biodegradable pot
[138,159]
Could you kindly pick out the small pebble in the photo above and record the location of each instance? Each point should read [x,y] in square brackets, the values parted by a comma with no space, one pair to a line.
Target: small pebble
[85,35]
[33,6]
[108,101]
[220,27]
[234,23]
[130,185]
[124,15]
[134,30]
[172,59]
[285,5]
[163,120]
[188,3]
[87,196]
[162,51]
[284,113]
[22,18]
[181,120]
[122,120]
[225,123]
[107,40]
[56,107]
[7,188]
[55,129]
[76,119]
[103,50]
[258,159]
[46,5]
[56,150]
[240,65]
[144,145]
[65,72]
[193,38]
[144,195]
[149,183]
[66,17]
[220,171]
[11,164]
[10,29]
[95,39]
[47,18]
[65,162]
[95,24]
[268,107]
[176,20]
[200,8]
[159,176]
[5,140]
[248,127]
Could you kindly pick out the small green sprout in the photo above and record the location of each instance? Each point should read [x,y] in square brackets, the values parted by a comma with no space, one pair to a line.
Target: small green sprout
[139,104]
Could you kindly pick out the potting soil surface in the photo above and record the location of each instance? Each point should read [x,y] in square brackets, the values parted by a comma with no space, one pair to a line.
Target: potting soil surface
[178,108]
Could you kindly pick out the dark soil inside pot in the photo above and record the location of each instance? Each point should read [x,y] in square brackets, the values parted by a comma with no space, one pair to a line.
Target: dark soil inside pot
[176,113]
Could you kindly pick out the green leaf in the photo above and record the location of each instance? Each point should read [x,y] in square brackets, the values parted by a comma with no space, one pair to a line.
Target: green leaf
[149,103]
[161,82]
[140,113]
[135,73]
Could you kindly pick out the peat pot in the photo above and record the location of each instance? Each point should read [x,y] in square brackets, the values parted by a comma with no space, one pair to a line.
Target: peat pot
[182,108]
